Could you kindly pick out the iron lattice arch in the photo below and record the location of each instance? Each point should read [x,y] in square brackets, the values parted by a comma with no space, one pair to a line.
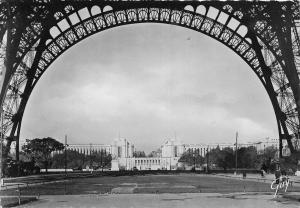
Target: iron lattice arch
[264,34]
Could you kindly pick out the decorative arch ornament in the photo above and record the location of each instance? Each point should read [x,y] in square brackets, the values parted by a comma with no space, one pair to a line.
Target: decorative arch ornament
[265,35]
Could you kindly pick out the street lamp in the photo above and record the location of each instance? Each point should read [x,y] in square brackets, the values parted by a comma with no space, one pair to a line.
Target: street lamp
[236,153]
[194,155]
[207,160]
[101,162]
[91,155]
[66,145]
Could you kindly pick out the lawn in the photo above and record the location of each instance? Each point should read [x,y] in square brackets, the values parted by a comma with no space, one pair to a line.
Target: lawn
[179,183]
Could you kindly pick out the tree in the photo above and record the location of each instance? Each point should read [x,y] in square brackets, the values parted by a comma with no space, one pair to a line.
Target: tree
[214,155]
[226,159]
[100,159]
[74,160]
[154,153]
[267,158]
[191,158]
[40,149]
[247,157]
[139,154]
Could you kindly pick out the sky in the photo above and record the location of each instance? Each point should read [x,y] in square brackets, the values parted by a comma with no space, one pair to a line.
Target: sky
[149,83]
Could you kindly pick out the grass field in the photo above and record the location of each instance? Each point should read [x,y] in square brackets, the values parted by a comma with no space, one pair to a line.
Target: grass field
[179,183]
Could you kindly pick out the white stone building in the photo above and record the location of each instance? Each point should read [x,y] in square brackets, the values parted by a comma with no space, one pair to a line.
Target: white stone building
[171,151]
[145,163]
[167,159]
[172,148]
[87,149]
[120,148]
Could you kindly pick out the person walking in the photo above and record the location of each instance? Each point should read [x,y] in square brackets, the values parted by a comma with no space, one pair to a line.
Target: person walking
[277,175]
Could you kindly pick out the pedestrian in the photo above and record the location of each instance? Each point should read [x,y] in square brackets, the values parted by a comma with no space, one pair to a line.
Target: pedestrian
[244,174]
[264,168]
[262,173]
[277,175]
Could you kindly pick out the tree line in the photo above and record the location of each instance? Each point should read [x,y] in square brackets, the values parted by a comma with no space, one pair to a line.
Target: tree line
[247,158]
[36,154]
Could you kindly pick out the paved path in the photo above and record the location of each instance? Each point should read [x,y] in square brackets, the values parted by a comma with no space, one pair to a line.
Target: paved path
[268,178]
[188,200]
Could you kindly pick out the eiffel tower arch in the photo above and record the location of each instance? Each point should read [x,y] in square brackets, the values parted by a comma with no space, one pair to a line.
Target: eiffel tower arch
[265,35]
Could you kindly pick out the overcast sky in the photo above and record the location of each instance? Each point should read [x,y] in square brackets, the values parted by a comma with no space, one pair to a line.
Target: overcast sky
[149,82]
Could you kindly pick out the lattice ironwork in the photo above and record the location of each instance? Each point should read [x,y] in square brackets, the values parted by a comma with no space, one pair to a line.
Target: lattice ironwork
[264,34]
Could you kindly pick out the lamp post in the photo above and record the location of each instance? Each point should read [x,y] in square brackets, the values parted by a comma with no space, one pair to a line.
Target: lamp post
[66,163]
[194,154]
[90,155]
[207,160]
[101,159]
[66,154]
[236,152]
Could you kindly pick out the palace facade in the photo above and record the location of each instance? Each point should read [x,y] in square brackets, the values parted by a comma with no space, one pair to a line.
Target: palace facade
[120,148]
[166,158]
[171,151]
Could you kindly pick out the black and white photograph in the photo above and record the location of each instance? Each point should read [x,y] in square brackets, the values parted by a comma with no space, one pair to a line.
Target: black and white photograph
[150,103]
